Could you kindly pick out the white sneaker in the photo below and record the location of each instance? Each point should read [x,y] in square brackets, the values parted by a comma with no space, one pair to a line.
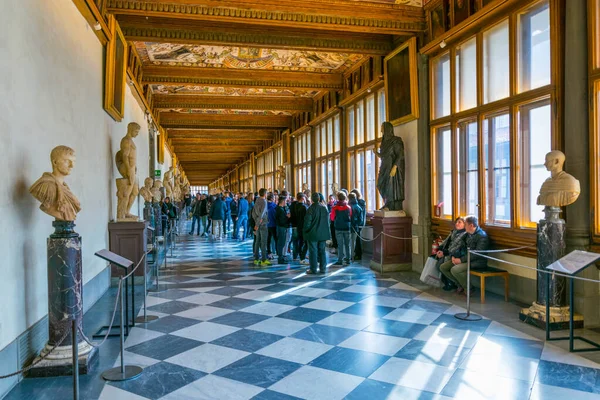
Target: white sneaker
[304,262]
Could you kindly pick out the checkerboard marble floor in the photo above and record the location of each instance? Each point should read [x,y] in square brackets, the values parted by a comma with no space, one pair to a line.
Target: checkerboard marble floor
[231,330]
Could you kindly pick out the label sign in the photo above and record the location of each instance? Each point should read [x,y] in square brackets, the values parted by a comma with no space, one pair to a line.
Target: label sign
[157,173]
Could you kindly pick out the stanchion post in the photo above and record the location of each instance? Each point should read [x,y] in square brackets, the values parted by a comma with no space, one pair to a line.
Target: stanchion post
[468,316]
[124,372]
[146,318]
[75,351]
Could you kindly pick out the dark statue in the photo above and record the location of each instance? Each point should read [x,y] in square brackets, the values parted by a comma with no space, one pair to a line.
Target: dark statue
[392,171]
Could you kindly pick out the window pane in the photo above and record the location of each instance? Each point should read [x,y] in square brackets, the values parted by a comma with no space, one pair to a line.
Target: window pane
[381,117]
[352,161]
[324,178]
[536,142]
[350,124]
[317,141]
[330,179]
[360,164]
[443,171]
[441,86]
[534,48]
[468,195]
[360,122]
[323,142]
[308,147]
[329,138]
[336,132]
[496,148]
[371,180]
[495,63]
[466,75]
[308,177]
[596,33]
[336,178]
[371,117]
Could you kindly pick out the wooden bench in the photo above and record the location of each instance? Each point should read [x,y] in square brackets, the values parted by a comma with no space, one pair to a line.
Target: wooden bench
[488,272]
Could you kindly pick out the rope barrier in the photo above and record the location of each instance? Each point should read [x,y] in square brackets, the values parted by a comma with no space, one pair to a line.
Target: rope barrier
[384,234]
[112,321]
[504,250]
[42,358]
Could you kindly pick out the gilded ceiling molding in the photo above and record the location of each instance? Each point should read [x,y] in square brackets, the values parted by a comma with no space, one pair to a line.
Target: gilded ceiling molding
[413,22]
[240,39]
[239,82]
[195,124]
[215,106]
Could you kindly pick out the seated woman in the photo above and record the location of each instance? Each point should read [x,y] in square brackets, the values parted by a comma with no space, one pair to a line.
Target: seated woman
[453,246]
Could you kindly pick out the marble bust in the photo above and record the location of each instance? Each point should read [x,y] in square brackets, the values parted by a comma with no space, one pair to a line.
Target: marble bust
[127,186]
[156,192]
[280,177]
[146,190]
[168,182]
[52,191]
[561,189]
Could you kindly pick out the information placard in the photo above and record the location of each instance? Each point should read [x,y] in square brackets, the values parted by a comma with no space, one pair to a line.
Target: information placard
[574,262]
[114,258]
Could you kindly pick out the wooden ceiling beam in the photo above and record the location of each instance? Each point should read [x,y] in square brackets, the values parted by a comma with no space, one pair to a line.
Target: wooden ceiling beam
[330,15]
[165,75]
[188,149]
[170,30]
[222,141]
[174,120]
[295,104]
[233,134]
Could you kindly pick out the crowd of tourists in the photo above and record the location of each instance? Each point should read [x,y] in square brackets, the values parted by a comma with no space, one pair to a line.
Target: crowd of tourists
[284,228]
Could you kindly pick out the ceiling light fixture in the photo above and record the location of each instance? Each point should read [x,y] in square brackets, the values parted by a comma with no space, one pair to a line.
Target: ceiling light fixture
[97,26]
[443,44]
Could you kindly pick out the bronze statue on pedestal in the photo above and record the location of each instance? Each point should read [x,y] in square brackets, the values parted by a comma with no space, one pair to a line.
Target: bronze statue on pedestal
[390,182]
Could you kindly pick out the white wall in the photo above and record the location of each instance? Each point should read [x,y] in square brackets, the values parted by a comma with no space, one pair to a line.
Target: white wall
[51,85]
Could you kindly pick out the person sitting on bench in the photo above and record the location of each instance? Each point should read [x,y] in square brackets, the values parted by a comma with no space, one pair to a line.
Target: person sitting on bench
[476,239]
[454,246]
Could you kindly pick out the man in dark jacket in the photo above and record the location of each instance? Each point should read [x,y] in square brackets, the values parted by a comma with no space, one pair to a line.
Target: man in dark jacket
[217,214]
[362,204]
[242,217]
[204,214]
[261,219]
[341,216]
[476,239]
[271,225]
[233,213]
[297,214]
[316,233]
[196,214]
[357,223]
[227,200]
[282,220]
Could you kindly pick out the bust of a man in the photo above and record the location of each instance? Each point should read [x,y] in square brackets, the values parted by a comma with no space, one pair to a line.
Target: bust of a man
[561,189]
[156,193]
[51,189]
[146,190]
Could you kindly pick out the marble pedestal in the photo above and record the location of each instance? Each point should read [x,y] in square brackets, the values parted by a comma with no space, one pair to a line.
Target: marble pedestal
[149,218]
[129,240]
[390,254]
[158,231]
[65,304]
[551,246]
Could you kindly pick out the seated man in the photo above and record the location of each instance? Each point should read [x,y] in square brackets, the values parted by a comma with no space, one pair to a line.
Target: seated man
[476,239]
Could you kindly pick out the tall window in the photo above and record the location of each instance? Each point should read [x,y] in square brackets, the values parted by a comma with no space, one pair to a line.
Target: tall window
[302,154]
[265,169]
[246,177]
[364,119]
[198,189]
[327,154]
[594,78]
[488,149]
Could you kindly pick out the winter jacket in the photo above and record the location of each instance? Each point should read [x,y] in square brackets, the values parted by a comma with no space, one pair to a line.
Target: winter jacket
[227,202]
[242,208]
[341,215]
[168,210]
[454,245]
[187,199]
[260,212]
[316,223]
[271,213]
[203,207]
[358,216]
[233,208]
[479,240]
[217,211]
[281,218]
[363,206]
[197,208]
[293,218]
[300,216]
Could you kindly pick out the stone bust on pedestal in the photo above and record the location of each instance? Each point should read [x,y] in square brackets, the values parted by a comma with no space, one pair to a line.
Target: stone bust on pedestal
[561,189]
[146,190]
[52,191]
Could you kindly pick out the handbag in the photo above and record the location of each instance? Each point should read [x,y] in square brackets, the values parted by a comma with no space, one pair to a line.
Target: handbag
[431,274]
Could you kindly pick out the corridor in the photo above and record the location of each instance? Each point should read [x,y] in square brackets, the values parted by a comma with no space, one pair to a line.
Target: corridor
[230,330]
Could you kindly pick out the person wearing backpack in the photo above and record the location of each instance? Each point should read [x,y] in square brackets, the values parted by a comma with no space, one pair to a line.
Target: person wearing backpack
[282,220]
[356,223]
[341,216]
[316,233]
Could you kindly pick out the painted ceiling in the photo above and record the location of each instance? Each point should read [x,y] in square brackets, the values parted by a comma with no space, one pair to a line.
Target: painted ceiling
[175,54]
[229,112]
[231,91]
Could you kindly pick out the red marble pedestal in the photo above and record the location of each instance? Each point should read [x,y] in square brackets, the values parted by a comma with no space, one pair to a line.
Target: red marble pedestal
[391,254]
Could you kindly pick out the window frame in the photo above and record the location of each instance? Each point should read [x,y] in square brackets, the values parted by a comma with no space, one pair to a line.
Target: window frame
[594,112]
[303,150]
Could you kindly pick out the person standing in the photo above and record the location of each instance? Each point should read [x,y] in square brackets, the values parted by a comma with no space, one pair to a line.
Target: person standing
[204,214]
[334,243]
[316,233]
[363,205]
[233,212]
[272,225]
[195,211]
[250,225]
[282,220]
[217,214]
[341,216]
[187,200]
[297,214]
[356,225]
[227,200]
[261,219]
[242,218]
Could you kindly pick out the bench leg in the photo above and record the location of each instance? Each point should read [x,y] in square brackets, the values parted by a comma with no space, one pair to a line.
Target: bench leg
[506,288]
[482,284]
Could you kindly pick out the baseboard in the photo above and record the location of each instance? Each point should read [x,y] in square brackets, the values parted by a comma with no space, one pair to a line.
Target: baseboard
[23,349]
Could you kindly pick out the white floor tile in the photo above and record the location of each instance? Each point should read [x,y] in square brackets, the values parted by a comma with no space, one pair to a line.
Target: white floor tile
[375,343]
[212,387]
[414,316]
[413,374]
[317,384]
[428,297]
[135,359]
[385,301]
[270,309]
[313,292]
[556,354]
[203,298]
[205,331]
[547,392]
[113,393]
[295,350]
[507,366]
[258,295]
[496,328]
[348,321]
[253,287]
[154,301]
[140,335]
[448,336]
[207,358]
[363,289]
[404,286]
[204,313]
[204,289]
[279,326]
[328,305]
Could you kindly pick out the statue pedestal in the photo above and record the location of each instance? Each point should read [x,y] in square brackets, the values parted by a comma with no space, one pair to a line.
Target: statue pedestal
[551,246]
[65,303]
[129,240]
[158,231]
[390,254]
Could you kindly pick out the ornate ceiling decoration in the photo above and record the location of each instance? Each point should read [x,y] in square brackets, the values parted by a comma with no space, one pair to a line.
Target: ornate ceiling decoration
[176,54]
[231,91]
[229,112]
